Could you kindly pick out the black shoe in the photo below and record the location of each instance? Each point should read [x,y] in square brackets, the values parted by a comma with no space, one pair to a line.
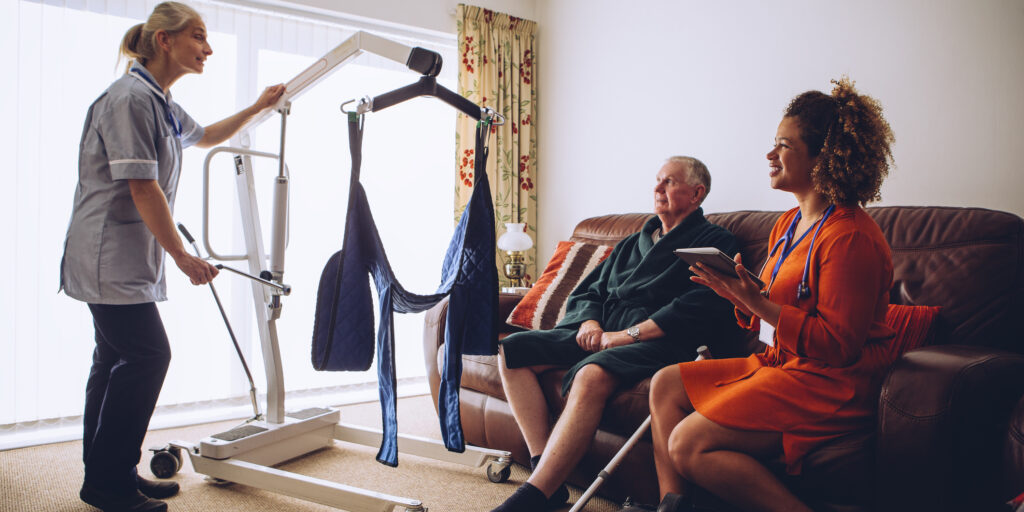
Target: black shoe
[156,490]
[113,502]
[675,503]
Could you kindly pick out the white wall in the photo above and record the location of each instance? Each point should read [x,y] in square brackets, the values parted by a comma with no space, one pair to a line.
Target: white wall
[621,88]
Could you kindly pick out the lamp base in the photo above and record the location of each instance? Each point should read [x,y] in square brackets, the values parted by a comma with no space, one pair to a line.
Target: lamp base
[515,269]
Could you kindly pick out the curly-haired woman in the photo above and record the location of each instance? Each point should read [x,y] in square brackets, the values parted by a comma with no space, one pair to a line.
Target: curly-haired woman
[821,316]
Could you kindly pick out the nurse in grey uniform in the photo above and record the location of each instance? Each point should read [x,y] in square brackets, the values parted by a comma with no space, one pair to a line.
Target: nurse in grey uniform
[121,226]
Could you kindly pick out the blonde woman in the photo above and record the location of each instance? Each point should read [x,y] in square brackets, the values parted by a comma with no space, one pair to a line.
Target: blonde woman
[121,225]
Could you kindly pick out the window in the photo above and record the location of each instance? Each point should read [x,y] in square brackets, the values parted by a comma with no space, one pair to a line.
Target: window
[66,58]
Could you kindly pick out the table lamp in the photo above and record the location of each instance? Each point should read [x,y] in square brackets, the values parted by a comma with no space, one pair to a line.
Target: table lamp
[514,242]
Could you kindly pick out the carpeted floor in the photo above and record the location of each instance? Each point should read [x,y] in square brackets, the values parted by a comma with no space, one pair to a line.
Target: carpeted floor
[47,478]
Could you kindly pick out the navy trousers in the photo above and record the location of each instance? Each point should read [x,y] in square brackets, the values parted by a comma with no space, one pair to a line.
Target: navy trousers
[343,331]
[128,368]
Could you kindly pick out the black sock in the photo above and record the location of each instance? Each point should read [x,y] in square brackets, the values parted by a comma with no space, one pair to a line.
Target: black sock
[527,498]
[557,498]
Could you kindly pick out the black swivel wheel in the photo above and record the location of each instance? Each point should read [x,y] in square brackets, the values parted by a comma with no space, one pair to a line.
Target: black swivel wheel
[498,472]
[166,461]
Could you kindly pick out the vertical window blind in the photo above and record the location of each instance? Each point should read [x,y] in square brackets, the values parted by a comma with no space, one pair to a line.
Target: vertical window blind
[65,55]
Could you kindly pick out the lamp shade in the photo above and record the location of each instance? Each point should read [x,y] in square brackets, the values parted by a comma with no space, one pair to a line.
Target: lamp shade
[514,239]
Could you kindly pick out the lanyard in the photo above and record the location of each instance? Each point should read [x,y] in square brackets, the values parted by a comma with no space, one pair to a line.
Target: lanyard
[175,124]
[803,291]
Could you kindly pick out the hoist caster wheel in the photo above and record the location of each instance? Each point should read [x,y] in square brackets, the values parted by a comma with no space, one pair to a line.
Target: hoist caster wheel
[177,454]
[498,473]
[219,482]
[164,464]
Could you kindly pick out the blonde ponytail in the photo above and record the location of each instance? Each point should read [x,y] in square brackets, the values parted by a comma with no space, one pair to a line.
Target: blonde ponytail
[139,42]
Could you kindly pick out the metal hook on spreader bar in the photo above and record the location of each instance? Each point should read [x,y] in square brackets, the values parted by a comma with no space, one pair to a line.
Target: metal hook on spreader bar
[488,111]
[365,105]
[283,288]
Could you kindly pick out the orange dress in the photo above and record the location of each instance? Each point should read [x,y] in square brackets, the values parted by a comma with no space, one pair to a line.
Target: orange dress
[822,377]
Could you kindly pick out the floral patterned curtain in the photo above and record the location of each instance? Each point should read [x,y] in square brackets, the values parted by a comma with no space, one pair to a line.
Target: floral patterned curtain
[497,70]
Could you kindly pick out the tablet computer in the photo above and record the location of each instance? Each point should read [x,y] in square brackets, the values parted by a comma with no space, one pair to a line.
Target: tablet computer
[715,259]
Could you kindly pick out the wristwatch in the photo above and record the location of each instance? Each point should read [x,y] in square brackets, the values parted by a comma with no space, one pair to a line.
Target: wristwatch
[634,332]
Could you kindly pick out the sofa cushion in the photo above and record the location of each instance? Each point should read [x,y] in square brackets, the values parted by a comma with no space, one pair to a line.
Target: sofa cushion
[967,260]
[608,229]
[544,305]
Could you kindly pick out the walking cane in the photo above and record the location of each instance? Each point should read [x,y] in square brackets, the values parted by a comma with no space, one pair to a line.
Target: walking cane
[702,353]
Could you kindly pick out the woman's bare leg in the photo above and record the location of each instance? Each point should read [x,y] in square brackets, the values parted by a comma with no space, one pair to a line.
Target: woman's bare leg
[726,462]
[669,405]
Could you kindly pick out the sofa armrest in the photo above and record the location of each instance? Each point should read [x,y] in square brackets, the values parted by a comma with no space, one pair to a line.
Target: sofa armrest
[433,337]
[506,303]
[942,419]
[433,334]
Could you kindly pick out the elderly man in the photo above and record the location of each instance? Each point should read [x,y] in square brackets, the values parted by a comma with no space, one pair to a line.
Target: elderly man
[633,315]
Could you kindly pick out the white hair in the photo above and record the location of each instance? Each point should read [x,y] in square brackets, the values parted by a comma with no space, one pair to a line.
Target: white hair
[697,173]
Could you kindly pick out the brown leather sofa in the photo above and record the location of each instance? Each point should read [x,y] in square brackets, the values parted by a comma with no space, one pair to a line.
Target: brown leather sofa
[950,431]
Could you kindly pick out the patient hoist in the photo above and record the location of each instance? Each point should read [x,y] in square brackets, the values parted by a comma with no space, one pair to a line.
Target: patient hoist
[246,453]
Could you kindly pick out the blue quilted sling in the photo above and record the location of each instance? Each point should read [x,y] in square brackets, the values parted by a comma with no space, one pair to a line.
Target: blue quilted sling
[343,328]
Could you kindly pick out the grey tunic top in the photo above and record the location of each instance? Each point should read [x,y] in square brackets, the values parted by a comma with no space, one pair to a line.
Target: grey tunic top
[132,131]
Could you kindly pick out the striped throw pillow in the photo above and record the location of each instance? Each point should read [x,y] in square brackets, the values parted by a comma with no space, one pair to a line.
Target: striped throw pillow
[544,305]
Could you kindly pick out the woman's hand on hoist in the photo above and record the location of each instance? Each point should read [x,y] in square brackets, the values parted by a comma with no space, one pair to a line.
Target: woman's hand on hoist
[270,96]
[199,271]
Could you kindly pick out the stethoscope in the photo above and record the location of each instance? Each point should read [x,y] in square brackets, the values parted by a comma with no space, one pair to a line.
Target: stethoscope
[803,291]
[175,124]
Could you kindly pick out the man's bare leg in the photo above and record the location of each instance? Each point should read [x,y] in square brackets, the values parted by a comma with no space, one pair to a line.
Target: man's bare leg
[575,428]
[522,390]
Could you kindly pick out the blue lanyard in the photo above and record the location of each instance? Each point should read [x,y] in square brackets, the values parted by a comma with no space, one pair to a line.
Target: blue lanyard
[175,124]
[803,290]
